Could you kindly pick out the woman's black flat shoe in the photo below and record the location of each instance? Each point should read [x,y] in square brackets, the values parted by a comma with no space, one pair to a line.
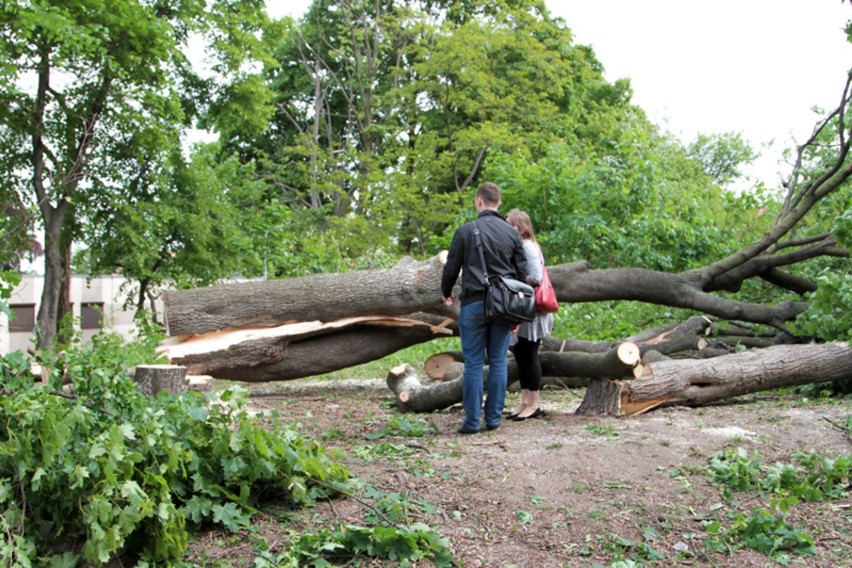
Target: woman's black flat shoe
[536,413]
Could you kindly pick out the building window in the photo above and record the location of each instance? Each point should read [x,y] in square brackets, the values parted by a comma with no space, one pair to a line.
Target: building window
[24,319]
[91,315]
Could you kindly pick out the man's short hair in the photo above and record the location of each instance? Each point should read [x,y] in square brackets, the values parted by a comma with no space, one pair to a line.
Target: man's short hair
[490,193]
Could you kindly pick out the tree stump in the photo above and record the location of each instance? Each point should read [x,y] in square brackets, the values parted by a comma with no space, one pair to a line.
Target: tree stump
[601,399]
[151,379]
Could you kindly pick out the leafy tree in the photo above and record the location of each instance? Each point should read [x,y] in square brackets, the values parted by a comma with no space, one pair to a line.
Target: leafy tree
[90,86]
[17,239]
[388,112]
[647,203]
[722,155]
[830,315]
[192,224]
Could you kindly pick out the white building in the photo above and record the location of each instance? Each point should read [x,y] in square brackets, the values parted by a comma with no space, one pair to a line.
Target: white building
[96,304]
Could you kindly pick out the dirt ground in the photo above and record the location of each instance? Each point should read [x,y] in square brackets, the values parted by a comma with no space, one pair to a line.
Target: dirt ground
[561,490]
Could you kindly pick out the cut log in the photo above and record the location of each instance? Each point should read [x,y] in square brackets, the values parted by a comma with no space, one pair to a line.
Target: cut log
[455,371]
[409,286]
[617,362]
[437,364]
[697,382]
[151,379]
[413,395]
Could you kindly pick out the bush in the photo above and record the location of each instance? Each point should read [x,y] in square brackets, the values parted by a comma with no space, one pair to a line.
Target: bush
[136,472]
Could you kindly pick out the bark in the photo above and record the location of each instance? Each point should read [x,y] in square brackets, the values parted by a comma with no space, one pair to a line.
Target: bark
[601,399]
[410,286]
[48,311]
[691,383]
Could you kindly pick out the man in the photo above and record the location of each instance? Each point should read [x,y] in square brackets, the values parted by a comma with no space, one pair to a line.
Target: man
[504,256]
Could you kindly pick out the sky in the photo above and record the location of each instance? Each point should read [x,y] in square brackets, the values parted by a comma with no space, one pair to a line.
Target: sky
[756,67]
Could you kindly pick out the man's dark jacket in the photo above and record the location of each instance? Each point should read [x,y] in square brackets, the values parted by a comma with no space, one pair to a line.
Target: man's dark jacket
[503,250]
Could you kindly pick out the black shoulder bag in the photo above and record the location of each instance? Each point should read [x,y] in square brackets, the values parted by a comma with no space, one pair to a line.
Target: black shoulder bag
[506,299]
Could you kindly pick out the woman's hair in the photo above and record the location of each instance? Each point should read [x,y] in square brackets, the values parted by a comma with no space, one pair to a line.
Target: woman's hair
[520,220]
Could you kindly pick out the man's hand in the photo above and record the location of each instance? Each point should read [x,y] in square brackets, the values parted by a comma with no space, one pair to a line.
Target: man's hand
[448,300]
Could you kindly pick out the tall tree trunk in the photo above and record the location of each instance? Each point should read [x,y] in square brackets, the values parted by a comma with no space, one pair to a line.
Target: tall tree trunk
[56,295]
[60,188]
[51,298]
[66,308]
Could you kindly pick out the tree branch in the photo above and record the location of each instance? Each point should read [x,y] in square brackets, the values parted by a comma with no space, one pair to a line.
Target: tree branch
[800,198]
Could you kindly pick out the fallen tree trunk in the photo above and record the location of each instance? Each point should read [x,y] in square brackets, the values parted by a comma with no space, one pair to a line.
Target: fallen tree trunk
[663,382]
[297,350]
[409,291]
[410,286]
[692,383]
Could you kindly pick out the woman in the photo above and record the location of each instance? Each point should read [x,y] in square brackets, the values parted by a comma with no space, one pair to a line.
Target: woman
[527,340]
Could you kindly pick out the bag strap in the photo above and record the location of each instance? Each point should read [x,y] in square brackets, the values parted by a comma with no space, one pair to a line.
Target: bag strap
[481,254]
[543,265]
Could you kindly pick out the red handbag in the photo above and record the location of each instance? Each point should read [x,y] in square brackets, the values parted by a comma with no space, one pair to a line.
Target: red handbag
[545,295]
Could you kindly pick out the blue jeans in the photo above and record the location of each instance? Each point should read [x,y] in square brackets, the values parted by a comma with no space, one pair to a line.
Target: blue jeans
[479,337]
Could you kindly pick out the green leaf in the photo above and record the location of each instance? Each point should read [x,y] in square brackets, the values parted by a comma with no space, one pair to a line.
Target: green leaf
[231,516]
